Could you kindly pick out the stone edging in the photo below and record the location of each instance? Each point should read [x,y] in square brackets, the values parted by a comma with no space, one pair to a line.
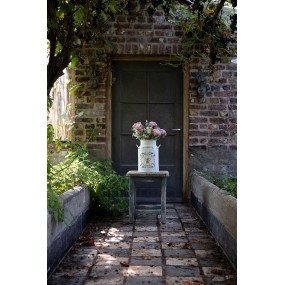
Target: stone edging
[62,235]
[218,210]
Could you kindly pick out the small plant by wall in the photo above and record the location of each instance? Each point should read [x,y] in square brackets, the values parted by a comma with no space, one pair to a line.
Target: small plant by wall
[107,189]
[228,184]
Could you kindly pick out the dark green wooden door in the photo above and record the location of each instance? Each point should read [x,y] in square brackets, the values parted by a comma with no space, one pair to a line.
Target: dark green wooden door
[148,91]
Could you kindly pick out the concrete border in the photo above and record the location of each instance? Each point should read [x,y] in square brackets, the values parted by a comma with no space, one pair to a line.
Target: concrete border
[218,210]
[62,235]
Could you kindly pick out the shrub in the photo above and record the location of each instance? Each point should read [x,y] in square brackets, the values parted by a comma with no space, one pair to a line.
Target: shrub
[228,184]
[107,189]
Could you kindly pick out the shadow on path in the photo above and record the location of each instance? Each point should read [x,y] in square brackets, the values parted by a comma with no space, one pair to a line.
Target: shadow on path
[114,252]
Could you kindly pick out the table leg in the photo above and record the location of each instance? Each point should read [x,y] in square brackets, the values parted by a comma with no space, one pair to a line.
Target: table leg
[131,200]
[163,200]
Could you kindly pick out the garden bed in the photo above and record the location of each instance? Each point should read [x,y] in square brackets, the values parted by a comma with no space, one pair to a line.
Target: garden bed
[62,235]
[218,210]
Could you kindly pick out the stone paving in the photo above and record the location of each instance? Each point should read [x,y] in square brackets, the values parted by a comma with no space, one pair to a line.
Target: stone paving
[115,252]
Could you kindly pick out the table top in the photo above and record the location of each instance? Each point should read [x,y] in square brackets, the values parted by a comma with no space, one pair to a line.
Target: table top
[147,174]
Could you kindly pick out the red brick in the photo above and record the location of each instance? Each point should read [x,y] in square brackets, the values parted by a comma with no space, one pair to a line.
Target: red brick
[121,18]
[209,113]
[219,67]
[231,67]
[96,145]
[227,74]
[199,120]
[224,94]
[203,126]
[141,19]
[217,107]
[223,127]
[162,27]
[143,26]
[159,33]
[222,80]
[85,120]
[89,126]
[224,100]
[198,107]
[214,100]
[216,141]
[204,141]
[219,93]
[82,79]
[232,107]
[193,127]
[82,106]
[218,134]
[198,133]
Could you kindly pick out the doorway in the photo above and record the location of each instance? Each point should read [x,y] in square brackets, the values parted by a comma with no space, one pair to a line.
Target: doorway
[146,90]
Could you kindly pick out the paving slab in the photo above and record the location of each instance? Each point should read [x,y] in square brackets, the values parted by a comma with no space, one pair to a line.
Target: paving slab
[182,251]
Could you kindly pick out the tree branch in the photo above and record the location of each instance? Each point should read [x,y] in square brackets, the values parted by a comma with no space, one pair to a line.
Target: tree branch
[218,9]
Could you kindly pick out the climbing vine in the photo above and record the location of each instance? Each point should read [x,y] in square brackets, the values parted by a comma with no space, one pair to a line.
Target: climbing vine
[209,28]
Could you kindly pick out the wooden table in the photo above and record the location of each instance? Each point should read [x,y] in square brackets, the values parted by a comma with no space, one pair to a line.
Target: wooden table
[146,177]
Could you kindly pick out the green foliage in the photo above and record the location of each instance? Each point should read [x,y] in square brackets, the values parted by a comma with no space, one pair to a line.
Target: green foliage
[55,207]
[228,184]
[109,191]
[75,87]
[70,24]
[209,29]
[107,188]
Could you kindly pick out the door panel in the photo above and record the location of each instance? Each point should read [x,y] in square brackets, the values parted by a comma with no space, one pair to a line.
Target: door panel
[148,91]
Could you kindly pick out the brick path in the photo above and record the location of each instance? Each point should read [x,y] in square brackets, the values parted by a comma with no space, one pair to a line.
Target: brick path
[181,251]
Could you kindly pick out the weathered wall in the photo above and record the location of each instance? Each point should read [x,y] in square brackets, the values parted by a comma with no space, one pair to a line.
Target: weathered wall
[219,211]
[62,235]
[212,118]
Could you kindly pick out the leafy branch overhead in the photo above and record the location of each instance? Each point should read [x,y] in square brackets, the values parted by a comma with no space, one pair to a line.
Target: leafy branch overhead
[71,23]
[209,27]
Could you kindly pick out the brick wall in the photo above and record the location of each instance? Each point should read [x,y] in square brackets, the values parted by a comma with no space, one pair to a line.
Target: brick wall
[137,35]
[212,117]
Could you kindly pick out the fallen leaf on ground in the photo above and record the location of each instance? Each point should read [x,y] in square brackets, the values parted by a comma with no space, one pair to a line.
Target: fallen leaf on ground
[68,275]
[147,257]
[187,245]
[124,264]
[217,271]
[88,243]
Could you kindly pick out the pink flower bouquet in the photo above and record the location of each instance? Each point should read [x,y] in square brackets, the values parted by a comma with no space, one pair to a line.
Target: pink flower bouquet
[149,131]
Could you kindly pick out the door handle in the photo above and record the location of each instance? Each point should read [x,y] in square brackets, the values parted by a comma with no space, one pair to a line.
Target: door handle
[177,130]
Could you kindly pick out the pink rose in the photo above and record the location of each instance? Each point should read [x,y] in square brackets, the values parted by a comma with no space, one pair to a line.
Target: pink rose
[138,127]
[163,132]
[156,132]
[152,124]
